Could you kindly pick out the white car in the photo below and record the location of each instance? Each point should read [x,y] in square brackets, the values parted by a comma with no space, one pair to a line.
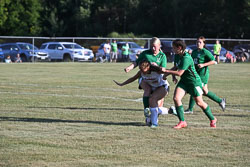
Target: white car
[65,51]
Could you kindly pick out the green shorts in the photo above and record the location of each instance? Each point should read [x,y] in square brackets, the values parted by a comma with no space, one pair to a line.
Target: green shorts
[204,78]
[193,90]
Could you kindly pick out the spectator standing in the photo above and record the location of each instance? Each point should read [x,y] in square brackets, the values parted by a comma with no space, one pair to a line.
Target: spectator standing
[114,50]
[18,58]
[125,52]
[217,49]
[107,49]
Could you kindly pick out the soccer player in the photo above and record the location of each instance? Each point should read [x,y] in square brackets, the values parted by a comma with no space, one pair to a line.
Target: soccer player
[202,59]
[190,82]
[156,57]
[151,75]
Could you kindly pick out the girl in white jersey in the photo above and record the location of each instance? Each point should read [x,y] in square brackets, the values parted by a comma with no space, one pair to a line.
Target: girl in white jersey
[150,74]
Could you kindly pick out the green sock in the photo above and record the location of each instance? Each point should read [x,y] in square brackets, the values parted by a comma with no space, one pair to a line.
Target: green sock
[180,112]
[191,103]
[208,113]
[213,97]
[145,100]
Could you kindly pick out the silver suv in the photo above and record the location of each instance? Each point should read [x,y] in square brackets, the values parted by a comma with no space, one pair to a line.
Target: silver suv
[65,51]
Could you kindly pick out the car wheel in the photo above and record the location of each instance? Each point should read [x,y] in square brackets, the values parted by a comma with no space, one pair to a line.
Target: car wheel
[67,58]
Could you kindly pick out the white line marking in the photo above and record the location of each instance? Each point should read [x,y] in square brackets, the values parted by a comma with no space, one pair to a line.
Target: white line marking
[103,97]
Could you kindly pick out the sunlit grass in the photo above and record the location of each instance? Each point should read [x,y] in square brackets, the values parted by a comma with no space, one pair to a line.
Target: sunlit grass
[72,114]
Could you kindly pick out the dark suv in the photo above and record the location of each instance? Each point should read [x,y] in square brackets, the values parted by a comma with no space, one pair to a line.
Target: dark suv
[26,50]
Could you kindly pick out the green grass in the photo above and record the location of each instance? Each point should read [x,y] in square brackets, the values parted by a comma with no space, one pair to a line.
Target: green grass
[72,114]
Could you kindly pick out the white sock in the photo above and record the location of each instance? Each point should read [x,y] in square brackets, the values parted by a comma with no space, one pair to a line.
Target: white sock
[162,110]
[154,115]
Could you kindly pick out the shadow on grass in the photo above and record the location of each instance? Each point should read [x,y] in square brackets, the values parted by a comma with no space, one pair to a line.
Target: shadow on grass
[47,120]
[89,108]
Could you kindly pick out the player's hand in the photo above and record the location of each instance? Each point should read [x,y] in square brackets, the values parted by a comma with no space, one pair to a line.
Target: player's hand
[200,65]
[117,83]
[175,80]
[127,69]
[154,64]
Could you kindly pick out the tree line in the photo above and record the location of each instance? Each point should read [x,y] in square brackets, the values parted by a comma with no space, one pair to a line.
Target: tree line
[141,18]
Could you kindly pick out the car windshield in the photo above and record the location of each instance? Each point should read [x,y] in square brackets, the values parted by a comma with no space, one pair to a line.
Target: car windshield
[26,46]
[72,46]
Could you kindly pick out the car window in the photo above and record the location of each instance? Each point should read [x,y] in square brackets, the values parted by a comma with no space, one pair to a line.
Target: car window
[52,46]
[6,47]
[14,48]
[71,46]
[134,45]
[26,46]
[43,46]
[166,44]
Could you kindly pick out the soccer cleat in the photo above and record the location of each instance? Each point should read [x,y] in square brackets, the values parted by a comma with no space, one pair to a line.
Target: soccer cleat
[188,111]
[213,123]
[223,104]
[172,110]
[181,124]
[146,112]
[153,126]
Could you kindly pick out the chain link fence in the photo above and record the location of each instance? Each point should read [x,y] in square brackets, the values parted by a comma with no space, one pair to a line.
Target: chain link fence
[93,43]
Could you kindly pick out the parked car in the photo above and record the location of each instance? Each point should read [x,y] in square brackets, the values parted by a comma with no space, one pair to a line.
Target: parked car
[65,51]
[27,51]
[210,47]
[134,48]
[242,50]
[1,55]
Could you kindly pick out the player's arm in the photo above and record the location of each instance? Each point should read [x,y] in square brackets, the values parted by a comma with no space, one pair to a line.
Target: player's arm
[130,67]
[130,80]
[173,72]
[212,62]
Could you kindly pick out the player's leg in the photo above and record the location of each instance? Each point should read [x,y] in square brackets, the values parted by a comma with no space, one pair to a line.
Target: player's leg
[157,95]
[206,109]
[190,106]
[214,97]
[147,91]
[178,95]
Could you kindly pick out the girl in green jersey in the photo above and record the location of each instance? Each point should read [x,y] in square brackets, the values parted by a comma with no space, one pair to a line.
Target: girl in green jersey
[156,57]
[202,59]
[190,82]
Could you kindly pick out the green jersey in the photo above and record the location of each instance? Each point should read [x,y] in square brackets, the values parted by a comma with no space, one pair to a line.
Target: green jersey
[160,59]
[185,62]
[125,50]
[217,48]
[200,57]
[114,47]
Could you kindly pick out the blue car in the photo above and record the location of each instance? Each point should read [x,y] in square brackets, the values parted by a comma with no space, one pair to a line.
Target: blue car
[1,55]
[27,51]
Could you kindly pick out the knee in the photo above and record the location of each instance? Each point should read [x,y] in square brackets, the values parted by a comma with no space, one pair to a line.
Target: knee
[176,99]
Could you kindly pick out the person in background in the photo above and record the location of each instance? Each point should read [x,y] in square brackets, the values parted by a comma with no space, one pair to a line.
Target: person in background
[125,52]
[107,49]
[114,51]
[18,58]
[217,49]
[8,60]
[190,82]
[202,59]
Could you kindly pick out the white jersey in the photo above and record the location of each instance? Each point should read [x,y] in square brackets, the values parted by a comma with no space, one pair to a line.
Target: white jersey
[107,48]
[154,79]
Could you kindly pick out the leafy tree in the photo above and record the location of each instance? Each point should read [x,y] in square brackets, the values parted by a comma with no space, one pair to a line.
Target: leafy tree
[20,17]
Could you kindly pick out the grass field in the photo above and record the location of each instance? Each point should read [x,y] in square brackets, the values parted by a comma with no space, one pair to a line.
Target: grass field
[72,114]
